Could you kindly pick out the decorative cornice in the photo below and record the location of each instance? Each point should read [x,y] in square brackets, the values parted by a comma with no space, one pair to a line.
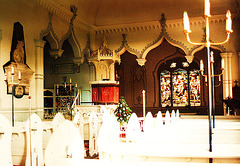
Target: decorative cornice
[125,28]
[155,25]
[63,13]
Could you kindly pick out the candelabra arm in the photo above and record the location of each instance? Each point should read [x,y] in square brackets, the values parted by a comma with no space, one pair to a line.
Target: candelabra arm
[221,43]
[189,40]
[204,75]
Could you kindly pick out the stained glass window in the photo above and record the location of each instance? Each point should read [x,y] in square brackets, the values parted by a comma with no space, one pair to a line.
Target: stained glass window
[179,81]
[165,88]
[180,87]
[195,99]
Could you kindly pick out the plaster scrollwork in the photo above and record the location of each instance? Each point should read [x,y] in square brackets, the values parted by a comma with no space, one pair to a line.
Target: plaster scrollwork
[125,47]
[71,37]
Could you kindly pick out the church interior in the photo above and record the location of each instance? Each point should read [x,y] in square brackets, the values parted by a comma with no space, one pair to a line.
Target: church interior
[147,82]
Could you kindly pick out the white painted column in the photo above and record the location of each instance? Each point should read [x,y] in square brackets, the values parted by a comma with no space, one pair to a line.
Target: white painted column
[112,72]
[227,74]
[39,76]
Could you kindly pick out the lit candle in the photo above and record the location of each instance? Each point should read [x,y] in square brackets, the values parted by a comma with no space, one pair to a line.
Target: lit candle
[222,63]
[207,8]
[12,70]
[76,84]
[211,56]
[144,99]
[228,22]
[5,76]
[19,75]
[70,81]
[186,22]
[201,65]
[57,89]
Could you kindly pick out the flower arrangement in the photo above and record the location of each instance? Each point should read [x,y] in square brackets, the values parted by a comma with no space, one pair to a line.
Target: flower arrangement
[123,112]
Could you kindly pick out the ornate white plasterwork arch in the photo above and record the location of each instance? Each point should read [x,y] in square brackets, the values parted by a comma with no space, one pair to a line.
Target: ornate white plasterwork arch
[51,38]
[125,47]
[71,37]
[160,38]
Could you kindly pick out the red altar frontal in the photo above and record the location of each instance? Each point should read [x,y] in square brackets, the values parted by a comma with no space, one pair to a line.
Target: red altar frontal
[105,92]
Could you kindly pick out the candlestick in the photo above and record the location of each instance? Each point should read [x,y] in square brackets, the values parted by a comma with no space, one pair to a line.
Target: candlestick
[57,89]
[201,65]
[207,8]
[186,23]
[5,77]
[12,70]
[222,63]
[228,22]
[211,57]
[210,61]
[19,75]
[144,99]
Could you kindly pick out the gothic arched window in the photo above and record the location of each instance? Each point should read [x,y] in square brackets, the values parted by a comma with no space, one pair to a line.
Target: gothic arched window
[180,85]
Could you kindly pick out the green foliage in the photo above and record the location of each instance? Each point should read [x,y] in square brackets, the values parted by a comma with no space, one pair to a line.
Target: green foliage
[123,112]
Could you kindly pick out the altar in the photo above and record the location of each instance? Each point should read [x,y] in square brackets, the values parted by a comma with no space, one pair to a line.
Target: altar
[105,92]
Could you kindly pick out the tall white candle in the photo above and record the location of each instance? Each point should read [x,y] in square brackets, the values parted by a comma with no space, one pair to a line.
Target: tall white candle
[228,21]
[186,22]
[222,63]
[207,8]
[212,57]
[144,100]
[12,70]
[201,65]
[5,76]
[57,89]
[19,75]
